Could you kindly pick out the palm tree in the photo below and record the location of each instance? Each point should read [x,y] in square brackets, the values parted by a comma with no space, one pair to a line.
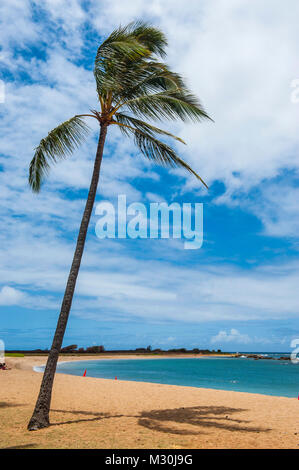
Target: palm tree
[132,82]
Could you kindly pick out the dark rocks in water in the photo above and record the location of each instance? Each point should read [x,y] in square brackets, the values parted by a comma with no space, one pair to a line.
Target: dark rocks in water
[258,356]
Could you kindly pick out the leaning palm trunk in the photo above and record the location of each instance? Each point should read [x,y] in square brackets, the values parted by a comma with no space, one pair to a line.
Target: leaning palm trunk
[40,417]
[131,84]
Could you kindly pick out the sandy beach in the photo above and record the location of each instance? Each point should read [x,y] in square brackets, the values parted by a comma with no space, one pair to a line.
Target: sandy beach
[113,414]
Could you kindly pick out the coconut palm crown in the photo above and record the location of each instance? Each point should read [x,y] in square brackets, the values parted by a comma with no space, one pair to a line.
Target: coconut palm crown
[132,83]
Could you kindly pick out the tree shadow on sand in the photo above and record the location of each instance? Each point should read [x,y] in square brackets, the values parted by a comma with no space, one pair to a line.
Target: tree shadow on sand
[200,416]
[6,404]
[97,416]
[21,446]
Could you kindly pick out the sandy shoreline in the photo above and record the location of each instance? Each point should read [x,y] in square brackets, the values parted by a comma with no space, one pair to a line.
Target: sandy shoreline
[32,363]
[101,413]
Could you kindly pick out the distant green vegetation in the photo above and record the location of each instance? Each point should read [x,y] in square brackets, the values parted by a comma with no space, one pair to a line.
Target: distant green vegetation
[94,350]
[14,355]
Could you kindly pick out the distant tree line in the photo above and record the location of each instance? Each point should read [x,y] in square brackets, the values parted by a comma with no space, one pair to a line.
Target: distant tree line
[73,349]
[91,349]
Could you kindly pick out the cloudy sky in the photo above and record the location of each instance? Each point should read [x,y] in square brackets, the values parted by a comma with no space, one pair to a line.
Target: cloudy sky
[240,290]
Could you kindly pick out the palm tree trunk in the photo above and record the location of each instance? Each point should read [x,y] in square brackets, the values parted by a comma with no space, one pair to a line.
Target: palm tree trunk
[40,417]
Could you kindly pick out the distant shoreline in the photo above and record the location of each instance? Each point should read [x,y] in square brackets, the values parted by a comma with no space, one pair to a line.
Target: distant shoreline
[150,355]
[82,358]
[15,353]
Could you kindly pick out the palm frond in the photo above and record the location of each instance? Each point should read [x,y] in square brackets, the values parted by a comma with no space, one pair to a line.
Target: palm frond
[159,77]
[126,47]
[113,73]
[170,104]
[145,78]
[151,36]
[58,144]
[120,54]
[138,38]
[158,151]
[116,55]
[134,123]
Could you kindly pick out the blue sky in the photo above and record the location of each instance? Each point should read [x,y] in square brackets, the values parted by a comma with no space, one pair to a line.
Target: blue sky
[240,290]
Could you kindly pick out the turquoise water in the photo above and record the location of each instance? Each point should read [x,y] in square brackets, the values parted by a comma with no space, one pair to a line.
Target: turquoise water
[268,377]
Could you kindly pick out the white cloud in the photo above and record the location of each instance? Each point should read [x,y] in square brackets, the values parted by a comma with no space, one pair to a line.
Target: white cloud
[234,336]
[278,209]
[10,296]
[16,15]
[152,197]
[113,281]
[68,13]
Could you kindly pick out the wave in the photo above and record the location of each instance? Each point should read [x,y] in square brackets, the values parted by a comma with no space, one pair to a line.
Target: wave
[41,368]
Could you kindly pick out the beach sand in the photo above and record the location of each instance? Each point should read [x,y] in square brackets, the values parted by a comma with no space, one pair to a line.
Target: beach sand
[113,414]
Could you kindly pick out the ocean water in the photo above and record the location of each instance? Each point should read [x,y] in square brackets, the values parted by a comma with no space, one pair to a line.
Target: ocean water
[268,377]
